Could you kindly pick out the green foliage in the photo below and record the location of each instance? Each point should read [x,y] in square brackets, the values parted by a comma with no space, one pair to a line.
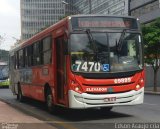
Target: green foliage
[151,36]
[1,39]
[43,28]
[61,17]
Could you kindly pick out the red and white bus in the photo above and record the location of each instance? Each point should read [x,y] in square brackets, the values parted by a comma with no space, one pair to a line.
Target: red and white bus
[83,61]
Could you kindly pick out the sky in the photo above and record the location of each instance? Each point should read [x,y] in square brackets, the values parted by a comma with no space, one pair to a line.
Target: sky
[9,22]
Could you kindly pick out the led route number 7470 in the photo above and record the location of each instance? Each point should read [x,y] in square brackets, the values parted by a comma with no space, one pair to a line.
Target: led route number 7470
[91,66]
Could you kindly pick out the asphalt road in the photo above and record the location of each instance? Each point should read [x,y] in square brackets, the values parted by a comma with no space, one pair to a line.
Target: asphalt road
[148,112]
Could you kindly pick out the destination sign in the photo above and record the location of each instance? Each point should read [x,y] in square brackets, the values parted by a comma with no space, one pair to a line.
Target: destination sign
[104,22]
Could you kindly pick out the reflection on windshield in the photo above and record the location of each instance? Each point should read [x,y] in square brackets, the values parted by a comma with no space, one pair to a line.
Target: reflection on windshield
[4,72]
[110,59]
[128,56]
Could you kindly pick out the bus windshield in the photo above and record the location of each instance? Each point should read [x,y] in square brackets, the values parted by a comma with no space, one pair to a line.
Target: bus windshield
[115,52]
[4,72]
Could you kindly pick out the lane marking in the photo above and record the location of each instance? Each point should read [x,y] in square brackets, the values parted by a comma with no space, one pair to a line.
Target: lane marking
[66,125]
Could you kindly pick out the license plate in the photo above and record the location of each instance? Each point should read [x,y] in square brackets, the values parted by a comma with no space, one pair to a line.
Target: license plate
[110,99]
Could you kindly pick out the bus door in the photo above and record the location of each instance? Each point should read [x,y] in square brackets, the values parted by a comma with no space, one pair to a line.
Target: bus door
[60,70]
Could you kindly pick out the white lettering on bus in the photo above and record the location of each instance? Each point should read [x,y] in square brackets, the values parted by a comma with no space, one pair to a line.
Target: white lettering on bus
[96,89]
[122,80]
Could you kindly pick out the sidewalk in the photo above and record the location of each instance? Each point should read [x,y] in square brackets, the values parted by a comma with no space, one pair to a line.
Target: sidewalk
[11,118]
[149,90]
[11,115]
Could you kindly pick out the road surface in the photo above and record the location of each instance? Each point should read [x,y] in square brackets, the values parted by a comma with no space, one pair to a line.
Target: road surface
[149,112]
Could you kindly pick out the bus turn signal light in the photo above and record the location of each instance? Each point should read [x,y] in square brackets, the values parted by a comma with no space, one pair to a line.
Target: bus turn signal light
[141,80]
[140,84]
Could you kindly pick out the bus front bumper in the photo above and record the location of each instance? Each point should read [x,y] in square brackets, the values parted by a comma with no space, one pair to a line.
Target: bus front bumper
[84,100]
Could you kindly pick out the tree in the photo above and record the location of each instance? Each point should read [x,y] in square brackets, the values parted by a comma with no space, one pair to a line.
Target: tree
[151,36]
[1,39]
[62,17]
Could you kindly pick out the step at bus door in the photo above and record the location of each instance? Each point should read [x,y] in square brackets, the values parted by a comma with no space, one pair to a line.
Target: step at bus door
[61,70]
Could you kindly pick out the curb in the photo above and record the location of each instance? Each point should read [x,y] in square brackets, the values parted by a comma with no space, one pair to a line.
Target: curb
[152,93]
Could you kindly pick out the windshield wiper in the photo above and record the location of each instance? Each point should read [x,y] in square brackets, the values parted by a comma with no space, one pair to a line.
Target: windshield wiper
[92,42]
[90,37]
[120,42]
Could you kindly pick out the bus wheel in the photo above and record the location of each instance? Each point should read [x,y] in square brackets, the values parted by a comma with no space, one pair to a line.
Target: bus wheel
[49,101]
[106,109]
[20,97]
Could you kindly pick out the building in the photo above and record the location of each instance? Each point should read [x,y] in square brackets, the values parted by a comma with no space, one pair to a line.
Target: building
[70,8]
[39,14]
[145,10]
[112,7]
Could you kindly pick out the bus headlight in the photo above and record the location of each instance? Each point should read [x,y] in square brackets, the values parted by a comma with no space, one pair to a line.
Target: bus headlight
[138,87]
[140,84]
[76,87]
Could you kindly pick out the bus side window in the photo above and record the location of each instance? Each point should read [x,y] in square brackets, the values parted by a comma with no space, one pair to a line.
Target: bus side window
[41,52]
[12,62]
[21,58]
[16,60]
[47,50]
[36,54]
[30,55]
[25,58]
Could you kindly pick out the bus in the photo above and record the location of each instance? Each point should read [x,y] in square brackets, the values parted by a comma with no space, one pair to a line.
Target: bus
[4,74]
[82,61]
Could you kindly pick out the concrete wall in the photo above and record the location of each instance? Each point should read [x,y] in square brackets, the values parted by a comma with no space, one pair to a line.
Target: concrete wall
[148,17]
[136,3]
[150,77]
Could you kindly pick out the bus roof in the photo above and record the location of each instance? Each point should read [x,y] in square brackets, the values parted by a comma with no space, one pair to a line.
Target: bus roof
[101,15]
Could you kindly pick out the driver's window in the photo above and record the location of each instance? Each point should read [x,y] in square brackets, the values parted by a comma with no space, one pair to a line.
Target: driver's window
[131,48]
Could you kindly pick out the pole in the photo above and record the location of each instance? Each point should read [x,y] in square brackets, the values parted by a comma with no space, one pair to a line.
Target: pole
[64,9]
[70,5]
[64,3]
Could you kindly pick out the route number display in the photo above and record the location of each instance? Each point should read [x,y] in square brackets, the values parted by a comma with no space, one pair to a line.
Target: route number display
[90,66]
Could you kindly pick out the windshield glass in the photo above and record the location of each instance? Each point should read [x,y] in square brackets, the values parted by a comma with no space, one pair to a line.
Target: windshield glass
[112,54]
[3,71]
